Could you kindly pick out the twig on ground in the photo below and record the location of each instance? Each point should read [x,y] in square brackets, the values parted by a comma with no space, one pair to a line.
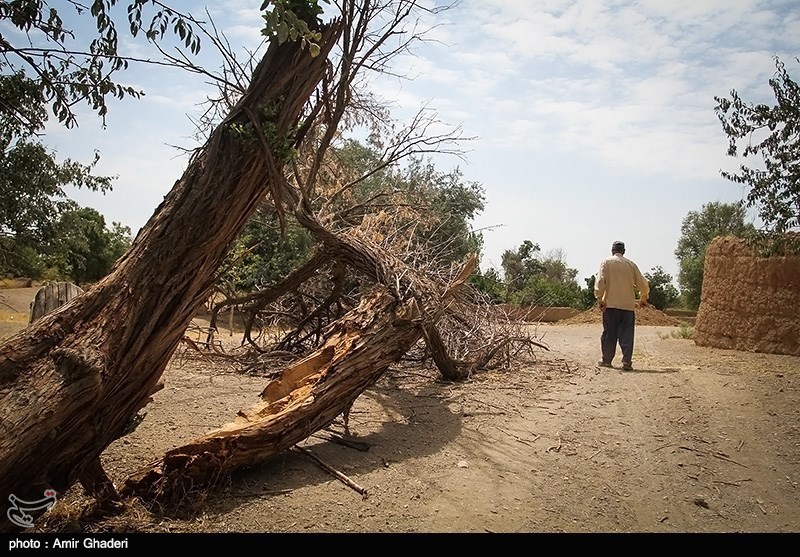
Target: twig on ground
[516,437]
[502,410]
[719,455]
[664,447]
[251,494]
[338,475]
[566,365]
[736,483]
[555,448]
[723,456]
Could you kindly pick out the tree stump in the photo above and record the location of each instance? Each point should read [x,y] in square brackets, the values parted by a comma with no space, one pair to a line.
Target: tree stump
[51,296]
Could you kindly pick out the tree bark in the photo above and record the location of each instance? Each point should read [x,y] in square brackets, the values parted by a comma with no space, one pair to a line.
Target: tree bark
[71,381]
[449,368]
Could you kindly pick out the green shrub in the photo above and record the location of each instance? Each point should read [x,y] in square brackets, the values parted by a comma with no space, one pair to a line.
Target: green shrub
[684,330]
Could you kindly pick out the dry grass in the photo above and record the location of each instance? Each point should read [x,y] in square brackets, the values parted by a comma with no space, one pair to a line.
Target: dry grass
[14,304]
[16,283]
[7,316]
[78,516]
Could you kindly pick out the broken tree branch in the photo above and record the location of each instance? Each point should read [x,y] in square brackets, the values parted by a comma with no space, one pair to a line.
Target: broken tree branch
[331,470]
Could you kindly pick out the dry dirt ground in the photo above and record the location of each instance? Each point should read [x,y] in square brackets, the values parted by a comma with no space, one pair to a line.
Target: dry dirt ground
[694,440]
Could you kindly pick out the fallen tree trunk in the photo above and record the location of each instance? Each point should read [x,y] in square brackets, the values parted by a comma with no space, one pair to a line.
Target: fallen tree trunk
[306,397]
[70,383]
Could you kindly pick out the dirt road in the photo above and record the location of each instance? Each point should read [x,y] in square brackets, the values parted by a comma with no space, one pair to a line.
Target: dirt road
[694,440]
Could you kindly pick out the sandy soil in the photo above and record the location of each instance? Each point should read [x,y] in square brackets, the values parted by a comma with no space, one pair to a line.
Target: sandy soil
[694,440]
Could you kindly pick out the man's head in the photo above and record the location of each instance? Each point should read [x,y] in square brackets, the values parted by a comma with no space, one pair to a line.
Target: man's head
[618,247]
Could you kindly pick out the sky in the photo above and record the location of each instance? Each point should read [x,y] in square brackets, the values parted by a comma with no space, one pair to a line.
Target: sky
[591,120]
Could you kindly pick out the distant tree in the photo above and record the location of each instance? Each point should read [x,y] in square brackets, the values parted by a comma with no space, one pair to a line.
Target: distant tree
[535,279]
[540,291]
[697,231]
[452,204]
[663,293]
[32,181]
[490,284]
[520,266]
[775,188]
[83,249]
[555,268]
[433,208]
[587,298]
[262,255]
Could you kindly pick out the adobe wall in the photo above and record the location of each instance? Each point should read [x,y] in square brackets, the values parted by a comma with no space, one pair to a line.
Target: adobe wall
[748,302]
[538,313]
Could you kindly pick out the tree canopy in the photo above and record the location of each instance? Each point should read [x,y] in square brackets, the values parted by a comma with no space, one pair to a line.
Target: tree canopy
[48,66]
[520,266]
[770,134]
[70,68]
[697,230]
[32,180]
[533,278]
[663,293]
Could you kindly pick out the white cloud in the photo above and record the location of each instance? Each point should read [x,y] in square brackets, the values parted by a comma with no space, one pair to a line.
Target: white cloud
[594,118]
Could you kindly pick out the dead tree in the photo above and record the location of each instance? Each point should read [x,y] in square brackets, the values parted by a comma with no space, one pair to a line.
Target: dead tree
[70,383]
[308,395]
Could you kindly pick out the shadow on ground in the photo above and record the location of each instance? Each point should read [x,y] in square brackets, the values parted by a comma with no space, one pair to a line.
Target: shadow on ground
[380,421]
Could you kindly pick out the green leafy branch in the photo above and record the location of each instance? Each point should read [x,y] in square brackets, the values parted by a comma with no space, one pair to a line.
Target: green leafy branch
[289,20]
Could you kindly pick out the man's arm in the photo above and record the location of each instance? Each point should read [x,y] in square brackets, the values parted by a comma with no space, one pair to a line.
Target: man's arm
[642,286]
[600,284]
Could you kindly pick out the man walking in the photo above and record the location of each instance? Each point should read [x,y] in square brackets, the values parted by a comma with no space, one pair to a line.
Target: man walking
[615,289]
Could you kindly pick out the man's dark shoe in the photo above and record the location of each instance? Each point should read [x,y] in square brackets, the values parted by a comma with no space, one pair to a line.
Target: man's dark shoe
[627,367]
[601,363]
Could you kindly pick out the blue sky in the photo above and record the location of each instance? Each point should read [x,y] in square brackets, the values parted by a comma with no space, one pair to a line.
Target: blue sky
[593,120]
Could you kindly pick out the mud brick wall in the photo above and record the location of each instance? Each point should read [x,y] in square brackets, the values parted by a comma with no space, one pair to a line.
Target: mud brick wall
[748,302]
[538,313]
